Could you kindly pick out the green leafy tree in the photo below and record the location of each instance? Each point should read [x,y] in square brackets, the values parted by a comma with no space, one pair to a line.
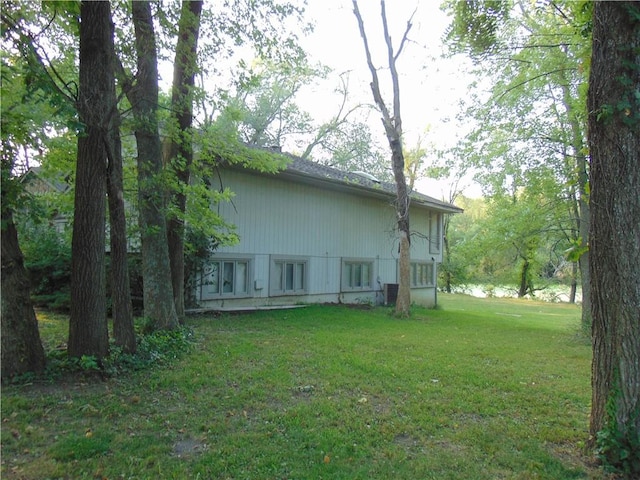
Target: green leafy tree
[143,95]
[444,168]
[267,115]
[533,121]
[256,26]
[265,103]
[179,146]
[460,241]
[613,119]
[416,158]
[352,147]
[43,37]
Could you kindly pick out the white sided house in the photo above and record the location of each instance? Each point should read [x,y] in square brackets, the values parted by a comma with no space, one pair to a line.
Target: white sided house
[314,234]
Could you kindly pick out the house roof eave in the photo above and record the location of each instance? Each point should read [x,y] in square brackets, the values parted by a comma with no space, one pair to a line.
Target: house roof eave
[322,176]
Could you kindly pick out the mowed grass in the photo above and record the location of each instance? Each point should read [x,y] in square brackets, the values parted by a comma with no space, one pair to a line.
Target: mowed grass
[478,389]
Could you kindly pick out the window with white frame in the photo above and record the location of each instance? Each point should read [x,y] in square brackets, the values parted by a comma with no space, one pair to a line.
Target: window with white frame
[226,278]
[357,275]
[435,232]
[422,274]
[289,276]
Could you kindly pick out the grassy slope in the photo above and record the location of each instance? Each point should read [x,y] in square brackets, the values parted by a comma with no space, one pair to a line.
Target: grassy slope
[480,389]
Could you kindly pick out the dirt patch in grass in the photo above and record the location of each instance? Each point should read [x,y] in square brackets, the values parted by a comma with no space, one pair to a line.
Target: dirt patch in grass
[188,447]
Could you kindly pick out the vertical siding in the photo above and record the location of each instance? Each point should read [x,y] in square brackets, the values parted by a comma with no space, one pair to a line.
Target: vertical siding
[278,217]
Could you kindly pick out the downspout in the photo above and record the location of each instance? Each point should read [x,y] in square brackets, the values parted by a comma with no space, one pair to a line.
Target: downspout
[435,282]
[435,267]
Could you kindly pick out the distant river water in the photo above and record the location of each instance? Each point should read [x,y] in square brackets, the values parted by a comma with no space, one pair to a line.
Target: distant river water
[553,293]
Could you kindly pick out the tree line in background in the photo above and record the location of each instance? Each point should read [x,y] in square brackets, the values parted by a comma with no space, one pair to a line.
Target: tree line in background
[552,138]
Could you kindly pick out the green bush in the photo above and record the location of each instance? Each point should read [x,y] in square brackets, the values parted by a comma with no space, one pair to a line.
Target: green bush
[153,349]
[47,256]
[159,347]
[619,451]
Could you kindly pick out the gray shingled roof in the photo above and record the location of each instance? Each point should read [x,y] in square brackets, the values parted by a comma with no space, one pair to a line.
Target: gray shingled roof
[298,166]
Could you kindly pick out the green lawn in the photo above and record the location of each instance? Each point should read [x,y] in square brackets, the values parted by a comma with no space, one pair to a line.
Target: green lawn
[478,389]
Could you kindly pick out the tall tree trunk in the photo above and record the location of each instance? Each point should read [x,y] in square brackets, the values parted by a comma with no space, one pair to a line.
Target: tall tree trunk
[122,308]
[88,334]
[574,283]
[583,261]
[179,146]
[159,307]
[447,253]
[582,208]
[403,301]
[21,346]
[614,141]
[393,129]
[583,229]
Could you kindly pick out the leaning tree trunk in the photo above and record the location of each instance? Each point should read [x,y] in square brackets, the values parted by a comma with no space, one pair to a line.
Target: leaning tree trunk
[21,346]
[180,146]
[159,307]
[88,334]
[614,141]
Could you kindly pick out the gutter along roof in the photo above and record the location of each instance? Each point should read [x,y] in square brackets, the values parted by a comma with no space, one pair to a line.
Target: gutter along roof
[312,173]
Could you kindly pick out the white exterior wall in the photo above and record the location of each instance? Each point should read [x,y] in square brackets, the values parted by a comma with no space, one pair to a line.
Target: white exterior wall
[279,218]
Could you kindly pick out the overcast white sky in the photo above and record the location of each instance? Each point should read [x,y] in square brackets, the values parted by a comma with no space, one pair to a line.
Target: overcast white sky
[430,86]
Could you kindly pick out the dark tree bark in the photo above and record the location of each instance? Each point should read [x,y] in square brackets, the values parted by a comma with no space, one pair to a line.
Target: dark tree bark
[22,350]
[393,130]
[179,150]
[159,307]
[614,141]
[122,308]
[88,334]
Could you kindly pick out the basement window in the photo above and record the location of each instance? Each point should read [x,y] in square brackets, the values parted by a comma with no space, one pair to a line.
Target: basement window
[289,276]
[226,278]
[357,275]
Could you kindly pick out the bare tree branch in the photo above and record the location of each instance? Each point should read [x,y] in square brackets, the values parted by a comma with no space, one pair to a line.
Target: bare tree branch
[406,34]
[375,84]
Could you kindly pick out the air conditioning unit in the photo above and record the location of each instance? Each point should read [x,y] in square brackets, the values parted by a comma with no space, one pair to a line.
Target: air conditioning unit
[390,291]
